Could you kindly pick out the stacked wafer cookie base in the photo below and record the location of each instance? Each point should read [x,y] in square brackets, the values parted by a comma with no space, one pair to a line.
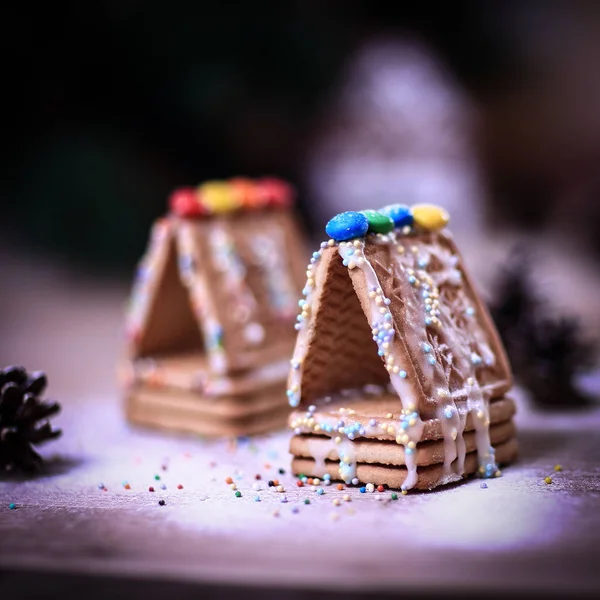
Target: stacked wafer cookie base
[374,456]
[174,394]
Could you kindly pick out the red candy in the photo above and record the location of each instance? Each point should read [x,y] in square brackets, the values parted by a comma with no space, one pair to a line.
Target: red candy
[380,488]
[276,193]
[184,202]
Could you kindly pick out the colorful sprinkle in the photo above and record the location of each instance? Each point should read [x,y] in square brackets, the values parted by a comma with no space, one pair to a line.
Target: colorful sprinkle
[306,501]
[150,489]
[394,496]
[380,488]
[370,487]
[320,491]
[548,480]
[558,468]
[12,506]
[179,486]
[161,502]
[238,494]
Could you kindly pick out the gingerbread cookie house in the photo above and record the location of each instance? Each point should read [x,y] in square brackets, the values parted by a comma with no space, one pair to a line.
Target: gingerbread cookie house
[398,376]
[211,317]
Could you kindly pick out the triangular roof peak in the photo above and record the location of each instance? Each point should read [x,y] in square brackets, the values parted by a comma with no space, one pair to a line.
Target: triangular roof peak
[389,302]
[220,277]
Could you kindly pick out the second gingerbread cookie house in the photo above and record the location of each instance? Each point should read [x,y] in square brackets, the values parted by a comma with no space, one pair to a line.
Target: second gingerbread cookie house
[212,310]
[398,376]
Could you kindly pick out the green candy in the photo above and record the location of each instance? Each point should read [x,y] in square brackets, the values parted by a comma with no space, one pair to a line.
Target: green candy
[378,223]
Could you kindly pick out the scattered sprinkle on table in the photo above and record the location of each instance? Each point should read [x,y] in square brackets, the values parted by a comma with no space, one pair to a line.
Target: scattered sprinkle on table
[179,486]
[161,502]
[394,496]
[336,501]
[363,490]
[548,479]
[238,494]
[320,491]
[370,487]
[282,471]
[295,509]
[150,489]
[306,501]
[157,477]
[228,480]
[483,485]
[346,498]
[280,488]
[257,498]
[163,486]
[557,468]
[12,506]
[380,488]
[340,486]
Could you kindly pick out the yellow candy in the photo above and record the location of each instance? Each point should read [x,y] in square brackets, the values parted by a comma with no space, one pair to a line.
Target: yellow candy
[430,217]
[217,196]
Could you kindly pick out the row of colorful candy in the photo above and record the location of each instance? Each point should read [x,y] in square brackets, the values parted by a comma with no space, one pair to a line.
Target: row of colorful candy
[351,224]
[217,197]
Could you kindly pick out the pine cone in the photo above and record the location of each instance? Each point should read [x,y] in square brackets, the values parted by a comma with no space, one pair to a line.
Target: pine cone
[21,410]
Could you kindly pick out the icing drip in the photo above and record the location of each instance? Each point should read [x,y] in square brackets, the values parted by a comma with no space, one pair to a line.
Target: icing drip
[280,287]
[411,427]
[439,326]
[228,262]
[201,303]
[294,393]
[463,351]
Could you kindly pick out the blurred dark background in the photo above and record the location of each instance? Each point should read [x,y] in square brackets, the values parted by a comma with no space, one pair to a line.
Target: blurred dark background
[110,105]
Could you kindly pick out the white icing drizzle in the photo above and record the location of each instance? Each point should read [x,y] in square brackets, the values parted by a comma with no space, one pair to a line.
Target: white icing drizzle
[381,319]
[202,302]
[462,351]
[427,321]
[228,262]
[279,284]
[294,393]
[139,302]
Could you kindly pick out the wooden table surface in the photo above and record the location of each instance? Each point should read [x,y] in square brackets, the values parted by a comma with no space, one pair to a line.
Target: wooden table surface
[519,533]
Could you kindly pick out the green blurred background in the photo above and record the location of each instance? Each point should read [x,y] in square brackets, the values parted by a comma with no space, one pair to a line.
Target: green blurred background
[110,105]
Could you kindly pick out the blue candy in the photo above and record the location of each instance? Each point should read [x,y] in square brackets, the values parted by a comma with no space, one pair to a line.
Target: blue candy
[399,213]
[347,225]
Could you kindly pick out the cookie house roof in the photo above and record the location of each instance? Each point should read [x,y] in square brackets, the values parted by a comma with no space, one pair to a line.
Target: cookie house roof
[388,301]
[223,282]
